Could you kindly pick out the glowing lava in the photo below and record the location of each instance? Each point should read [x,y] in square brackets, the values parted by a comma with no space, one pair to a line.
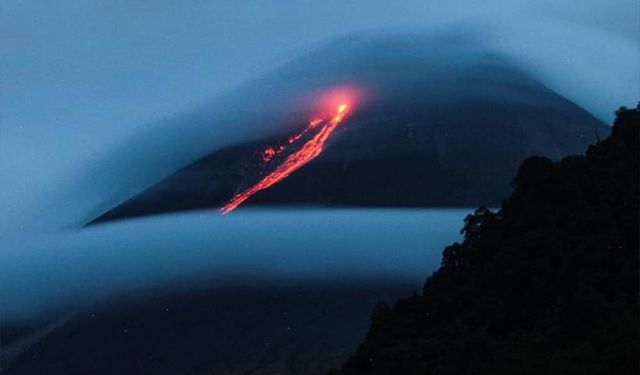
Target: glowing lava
[311,149]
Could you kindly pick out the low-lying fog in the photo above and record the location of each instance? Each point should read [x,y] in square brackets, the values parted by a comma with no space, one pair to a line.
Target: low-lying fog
[247,247]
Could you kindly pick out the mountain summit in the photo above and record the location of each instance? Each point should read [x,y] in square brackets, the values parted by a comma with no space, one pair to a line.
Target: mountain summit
[443,123]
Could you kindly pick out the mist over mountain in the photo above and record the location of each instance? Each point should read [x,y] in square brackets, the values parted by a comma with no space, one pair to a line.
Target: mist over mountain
[347,141]
[102,101]
[444,121]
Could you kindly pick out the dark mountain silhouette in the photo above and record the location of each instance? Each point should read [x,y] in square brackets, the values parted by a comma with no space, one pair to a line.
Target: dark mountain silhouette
[547,285]
[444,124]
[266,329]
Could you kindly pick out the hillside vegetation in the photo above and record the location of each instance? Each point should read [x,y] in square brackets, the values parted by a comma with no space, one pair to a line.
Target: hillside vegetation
[546,285]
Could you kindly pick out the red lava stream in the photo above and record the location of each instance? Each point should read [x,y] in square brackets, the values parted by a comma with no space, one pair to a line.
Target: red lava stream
[310,150]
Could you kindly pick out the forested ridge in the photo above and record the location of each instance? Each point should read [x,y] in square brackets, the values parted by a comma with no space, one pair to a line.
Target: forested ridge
[547,285]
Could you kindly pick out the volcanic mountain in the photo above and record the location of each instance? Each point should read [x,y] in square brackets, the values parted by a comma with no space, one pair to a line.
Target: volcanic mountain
[442,122]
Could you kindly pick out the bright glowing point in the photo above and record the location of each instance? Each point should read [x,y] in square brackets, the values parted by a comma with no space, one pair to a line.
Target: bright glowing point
[309,151]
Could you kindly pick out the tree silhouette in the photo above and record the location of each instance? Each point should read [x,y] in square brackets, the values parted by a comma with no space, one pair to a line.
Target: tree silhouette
[548,284]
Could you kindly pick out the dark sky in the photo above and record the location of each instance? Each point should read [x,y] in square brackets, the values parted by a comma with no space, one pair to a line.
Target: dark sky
[80,76]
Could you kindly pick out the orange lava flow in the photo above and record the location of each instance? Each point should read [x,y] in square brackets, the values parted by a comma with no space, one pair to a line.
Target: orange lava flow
[310,150]
[271,152]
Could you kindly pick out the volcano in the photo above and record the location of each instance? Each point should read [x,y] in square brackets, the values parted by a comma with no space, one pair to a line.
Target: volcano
[442,122]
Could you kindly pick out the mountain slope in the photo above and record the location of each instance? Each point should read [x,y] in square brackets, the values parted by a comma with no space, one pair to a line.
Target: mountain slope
[547,285]
[443,124]
[267,329]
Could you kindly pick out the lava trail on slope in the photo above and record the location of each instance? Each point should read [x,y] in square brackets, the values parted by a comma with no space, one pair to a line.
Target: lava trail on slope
[310,150]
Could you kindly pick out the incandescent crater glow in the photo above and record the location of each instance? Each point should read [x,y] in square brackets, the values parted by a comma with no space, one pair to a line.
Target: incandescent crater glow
[324,126]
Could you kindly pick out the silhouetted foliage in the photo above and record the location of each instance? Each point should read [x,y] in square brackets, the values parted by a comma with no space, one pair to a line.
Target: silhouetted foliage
[547,285]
